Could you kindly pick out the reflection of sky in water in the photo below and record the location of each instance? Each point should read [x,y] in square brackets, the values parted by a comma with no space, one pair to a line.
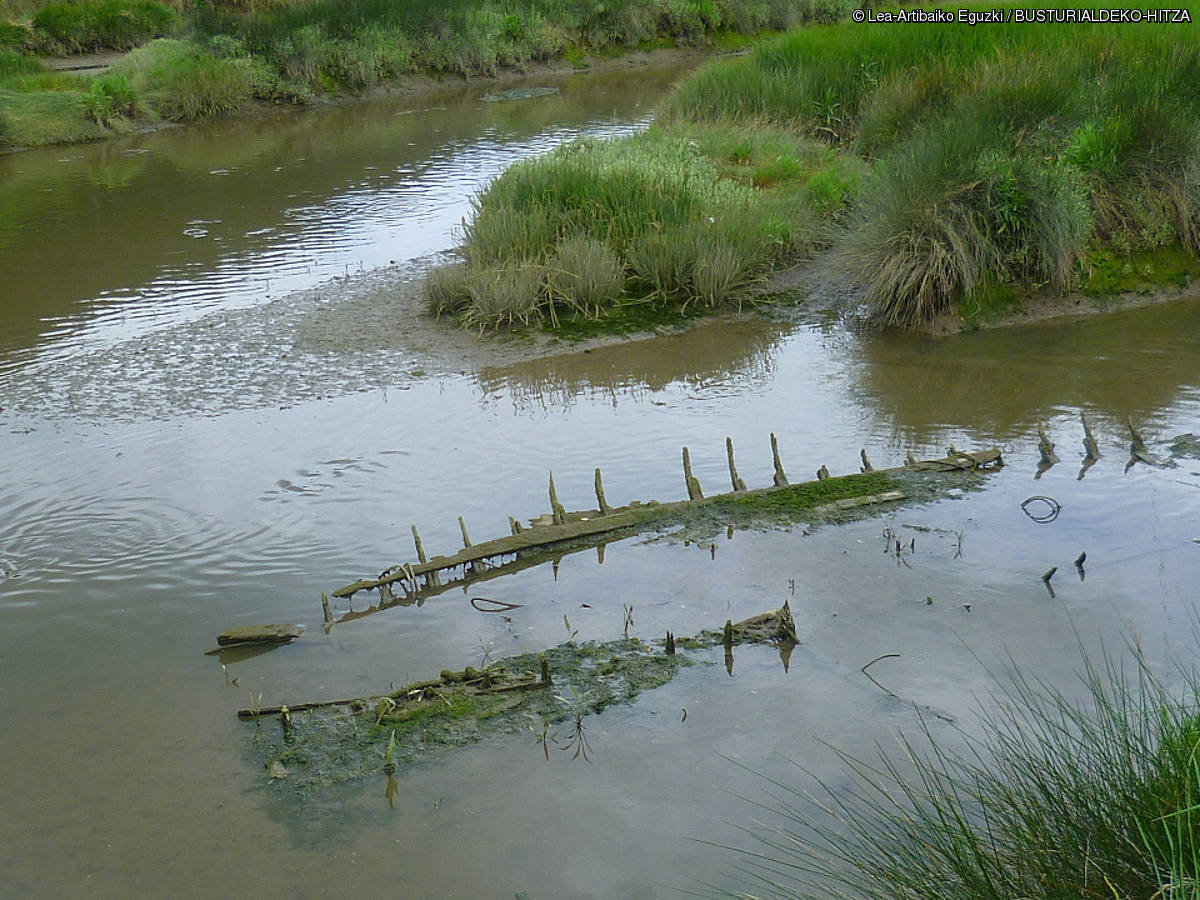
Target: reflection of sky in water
[110,242]
[364,229]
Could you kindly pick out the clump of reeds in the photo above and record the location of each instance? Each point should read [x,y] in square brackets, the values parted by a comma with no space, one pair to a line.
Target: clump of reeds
[652,211]
[1057,799]
[1000,156]
[585,274]
[105,25]
[952,213]
[185,83]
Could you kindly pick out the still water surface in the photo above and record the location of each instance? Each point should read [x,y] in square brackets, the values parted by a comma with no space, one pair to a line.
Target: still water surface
[179,458]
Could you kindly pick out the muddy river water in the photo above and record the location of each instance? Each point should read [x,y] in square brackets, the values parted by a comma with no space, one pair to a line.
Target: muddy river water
[208,415]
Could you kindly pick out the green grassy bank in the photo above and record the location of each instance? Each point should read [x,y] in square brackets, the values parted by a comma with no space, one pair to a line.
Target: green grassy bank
[944,168]
[200,59]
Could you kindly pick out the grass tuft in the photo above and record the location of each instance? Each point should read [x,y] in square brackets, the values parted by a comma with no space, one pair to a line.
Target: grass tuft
[184,83]
[1093,799]
[585,275]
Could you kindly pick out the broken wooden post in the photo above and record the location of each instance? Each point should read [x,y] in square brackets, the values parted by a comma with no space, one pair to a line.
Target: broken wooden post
[466,537]
[727,636]
[1046,448]
[738,484]
[787,624]
[1089,440]
[693,484]
[1046,580]
[545,664]
[822,473]
[670,648]
[605,509]
[909,459]
[1138,451]
[780,475]
[432,577]
[557,512]
[326,611]
[513,525]
[417,543]
[1137,446]
[866,463]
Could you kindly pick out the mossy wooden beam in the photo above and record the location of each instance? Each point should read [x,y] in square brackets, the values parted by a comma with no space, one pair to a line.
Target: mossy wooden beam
[590,524]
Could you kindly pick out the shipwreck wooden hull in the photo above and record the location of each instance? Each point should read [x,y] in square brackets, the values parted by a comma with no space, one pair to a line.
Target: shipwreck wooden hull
[561,528]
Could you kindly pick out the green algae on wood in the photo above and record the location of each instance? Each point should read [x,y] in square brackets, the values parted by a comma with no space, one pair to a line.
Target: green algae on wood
[564,528]
[326,743]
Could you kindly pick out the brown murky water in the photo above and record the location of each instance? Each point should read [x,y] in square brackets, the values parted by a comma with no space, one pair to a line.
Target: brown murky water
[181,455]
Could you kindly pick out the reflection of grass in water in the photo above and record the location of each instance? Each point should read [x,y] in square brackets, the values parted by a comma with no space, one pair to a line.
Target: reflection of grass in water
[1058,799]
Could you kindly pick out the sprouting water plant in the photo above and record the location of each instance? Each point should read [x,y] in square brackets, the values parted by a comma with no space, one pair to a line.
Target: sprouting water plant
[486,648]
[544,738]
[389,769]
[628,607]
[578,706]
[571,632]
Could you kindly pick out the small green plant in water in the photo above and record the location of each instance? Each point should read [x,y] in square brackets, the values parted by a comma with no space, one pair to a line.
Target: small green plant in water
[578,705]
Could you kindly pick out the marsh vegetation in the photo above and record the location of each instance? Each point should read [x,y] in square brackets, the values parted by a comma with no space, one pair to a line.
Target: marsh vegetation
[221,57]
[955,169]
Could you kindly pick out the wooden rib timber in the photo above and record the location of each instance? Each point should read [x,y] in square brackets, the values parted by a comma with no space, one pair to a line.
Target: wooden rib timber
[546,533]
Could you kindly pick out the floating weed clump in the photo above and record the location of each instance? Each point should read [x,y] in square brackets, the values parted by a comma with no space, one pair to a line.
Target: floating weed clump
[1059,798]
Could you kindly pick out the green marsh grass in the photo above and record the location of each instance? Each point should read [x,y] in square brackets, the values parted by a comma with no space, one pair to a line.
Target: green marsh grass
[997,156]
[671,214]
[82,27]
[184,83]
[297,51]
[1059,798]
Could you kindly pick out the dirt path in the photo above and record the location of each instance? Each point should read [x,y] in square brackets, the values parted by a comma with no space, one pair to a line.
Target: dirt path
[92,63]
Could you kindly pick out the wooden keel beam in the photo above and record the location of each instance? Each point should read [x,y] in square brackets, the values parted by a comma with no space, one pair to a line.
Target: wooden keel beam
[590,527]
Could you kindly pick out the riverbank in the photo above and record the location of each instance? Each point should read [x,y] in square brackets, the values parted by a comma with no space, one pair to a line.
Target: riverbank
[1025,168]
[193,62]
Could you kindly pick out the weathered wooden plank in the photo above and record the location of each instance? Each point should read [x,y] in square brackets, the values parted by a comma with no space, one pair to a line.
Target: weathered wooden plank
[259,634]
[545,533]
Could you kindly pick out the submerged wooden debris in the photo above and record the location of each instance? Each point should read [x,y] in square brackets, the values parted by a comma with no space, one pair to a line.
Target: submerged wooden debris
[827,494]
[320,744]
[256,636]
[530,672]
